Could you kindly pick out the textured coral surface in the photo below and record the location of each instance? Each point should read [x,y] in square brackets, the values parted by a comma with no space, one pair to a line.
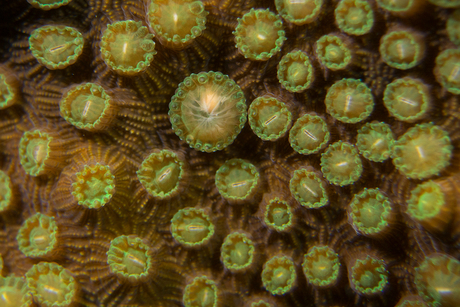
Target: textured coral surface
[185,228]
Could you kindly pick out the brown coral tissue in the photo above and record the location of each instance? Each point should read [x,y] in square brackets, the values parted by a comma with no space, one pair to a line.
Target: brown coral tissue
[120,125]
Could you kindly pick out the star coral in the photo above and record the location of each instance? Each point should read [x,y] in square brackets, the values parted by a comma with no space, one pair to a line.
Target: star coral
[163,187]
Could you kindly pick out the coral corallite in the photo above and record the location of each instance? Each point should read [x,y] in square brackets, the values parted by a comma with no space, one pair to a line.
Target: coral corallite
[229,153]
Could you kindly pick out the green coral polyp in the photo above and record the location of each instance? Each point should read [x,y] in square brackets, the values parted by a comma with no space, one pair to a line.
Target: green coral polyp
[6,192]
[192,227]
[208,111]
[295,71]
[407,99]
[129,258]
[333,52]
[37,237]
[202,291]
[127,47]
[437,279]
[308,189]
[177,23]
[237,180]
[309,134]
[321,266]
[237,252]
[453,27]
[51,285]
[88,106]
[278,215]
[94,186]
[370,212]
[279,275]
[341,164]
[447,70]
[402,49]
[428,206]
[349,101]
[423,151]
[399,7]
[161,174]
[34,152]
[48,4]
[354,17]
[369,276]
[259,35]
[56,47]
[299,12]
[9,88]
[375,141]
[269,118]
[14,292]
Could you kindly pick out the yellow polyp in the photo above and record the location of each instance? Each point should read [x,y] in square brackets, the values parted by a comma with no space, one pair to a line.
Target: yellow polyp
[56,47]
[192,227]
[88,106]
[127,47]
[51,285]
[177,23]
[259,35]
[299,12]
[201,292]
[129,258]
[402,49]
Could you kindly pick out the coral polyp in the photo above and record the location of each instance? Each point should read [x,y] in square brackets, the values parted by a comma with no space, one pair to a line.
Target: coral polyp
[269,118]
[14,292]
[237,180]
[259,35]
[407,99]
[368,276]
[88,106]
[354,17]
[208,111]
[192,227]
[370,213]
[295,71]
[237,252]
[447,70]
[430,205]
[437,279]
[201,292]
[423,151]
[6,192]
[308,189]
[129,258]
[333,52]
[177,23]
[321,266]
[309,134]
[37,236]
[375,141]
[48,4]
[341,164]
[51,285]
[349,101]
[127,47]
[278,215]
[56,47]
[279,275]
[299,12]
[402,49]
[93,186]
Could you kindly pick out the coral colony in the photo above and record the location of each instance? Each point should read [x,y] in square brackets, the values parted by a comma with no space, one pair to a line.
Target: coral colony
[221,153]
